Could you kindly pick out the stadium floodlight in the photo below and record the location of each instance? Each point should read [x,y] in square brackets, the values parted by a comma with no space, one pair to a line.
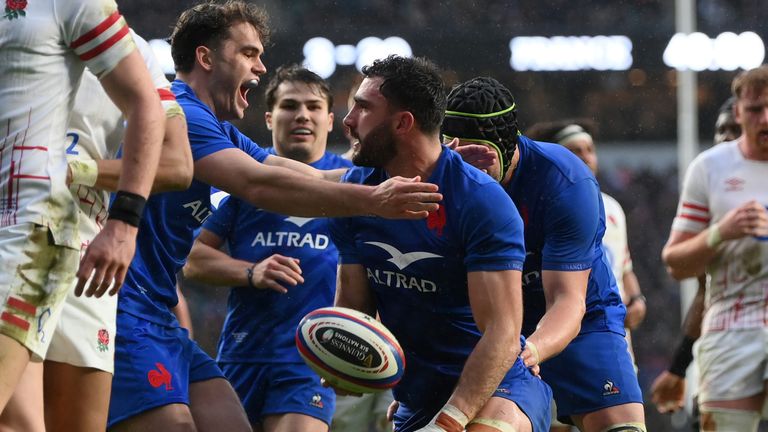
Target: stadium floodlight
[320,56]
[570,53]
[727,51]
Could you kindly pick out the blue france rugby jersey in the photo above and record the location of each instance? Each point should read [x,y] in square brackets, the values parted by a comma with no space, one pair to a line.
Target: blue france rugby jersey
[170,219]
[559,200]
[261,323]
[417,269]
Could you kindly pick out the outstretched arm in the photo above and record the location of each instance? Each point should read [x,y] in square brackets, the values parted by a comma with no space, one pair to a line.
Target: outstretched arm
[282,190]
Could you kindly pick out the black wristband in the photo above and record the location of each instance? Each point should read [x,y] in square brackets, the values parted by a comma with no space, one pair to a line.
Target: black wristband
[127,207]
[683,356]
[249,275]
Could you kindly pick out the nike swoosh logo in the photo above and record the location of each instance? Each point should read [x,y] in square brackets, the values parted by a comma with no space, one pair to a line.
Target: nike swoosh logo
[403,260]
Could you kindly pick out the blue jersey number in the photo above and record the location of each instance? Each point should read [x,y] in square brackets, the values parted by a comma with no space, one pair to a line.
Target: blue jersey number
[75,138]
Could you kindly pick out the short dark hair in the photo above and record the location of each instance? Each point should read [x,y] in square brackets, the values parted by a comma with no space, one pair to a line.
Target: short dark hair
[296,73]
[756,79]
[412,84]
[207,24]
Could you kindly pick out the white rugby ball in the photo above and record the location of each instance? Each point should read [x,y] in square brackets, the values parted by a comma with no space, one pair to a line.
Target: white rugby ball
[351,350]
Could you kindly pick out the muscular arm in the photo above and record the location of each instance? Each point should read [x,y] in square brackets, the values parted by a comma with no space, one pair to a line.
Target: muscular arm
[110,253]
[687,254]
[130,87]
[282,190]
[565,293]
[207,264]
[330,175]
[174,171]
[496,300]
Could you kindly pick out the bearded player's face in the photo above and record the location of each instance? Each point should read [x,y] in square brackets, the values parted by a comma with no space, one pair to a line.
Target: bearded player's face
[370,124]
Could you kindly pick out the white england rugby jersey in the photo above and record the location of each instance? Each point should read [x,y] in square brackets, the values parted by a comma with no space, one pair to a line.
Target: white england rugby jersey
[44,47]
[96,131]
[717,181]
[615,241]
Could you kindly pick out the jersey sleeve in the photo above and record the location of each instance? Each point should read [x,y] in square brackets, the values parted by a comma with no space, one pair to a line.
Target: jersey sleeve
[492,231]
[222,221]
[571,228]
[163,86]
[246,144]
[96,32]
[693,208]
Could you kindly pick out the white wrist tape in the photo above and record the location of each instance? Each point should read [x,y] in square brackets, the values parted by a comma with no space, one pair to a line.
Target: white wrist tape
[534,350]
[713,236]
[451,419]
[84,171]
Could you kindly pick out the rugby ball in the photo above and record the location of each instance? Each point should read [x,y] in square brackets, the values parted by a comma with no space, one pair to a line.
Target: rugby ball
[351,350]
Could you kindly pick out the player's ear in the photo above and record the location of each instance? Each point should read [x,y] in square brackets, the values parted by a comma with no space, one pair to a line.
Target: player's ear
[405,122]
[330,122]
[203,56]
[268,119]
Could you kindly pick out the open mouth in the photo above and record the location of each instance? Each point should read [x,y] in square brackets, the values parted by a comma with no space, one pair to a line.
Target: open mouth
[251,84]
[301,132]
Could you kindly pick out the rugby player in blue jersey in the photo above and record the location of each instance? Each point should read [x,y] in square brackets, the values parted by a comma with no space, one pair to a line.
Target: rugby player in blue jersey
[448,287]
[281,267]
[574,316]
[163,381]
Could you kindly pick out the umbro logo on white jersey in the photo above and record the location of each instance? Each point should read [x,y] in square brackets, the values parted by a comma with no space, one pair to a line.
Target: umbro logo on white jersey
[298,221]
[403,260]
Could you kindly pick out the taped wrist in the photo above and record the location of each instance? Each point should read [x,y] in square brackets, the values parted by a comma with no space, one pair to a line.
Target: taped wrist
[713,236]
[683,356]
[534,350]
[84,171]
[127,207]
[451,419]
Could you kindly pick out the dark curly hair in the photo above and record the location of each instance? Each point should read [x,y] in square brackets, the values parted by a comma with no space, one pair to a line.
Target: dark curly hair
[414,85]
[483,109]
[207,24]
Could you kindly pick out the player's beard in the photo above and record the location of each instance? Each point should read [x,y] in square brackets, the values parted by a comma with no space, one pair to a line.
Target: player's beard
[376,149]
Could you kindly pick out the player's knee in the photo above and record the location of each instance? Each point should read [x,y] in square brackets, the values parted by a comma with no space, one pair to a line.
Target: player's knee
[725,419]
[482,424]
[626,427]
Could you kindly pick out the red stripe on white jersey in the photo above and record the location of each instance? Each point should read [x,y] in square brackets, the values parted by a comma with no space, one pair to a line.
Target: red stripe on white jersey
[695,207]
[96,31]
[107,44]
[695,218]
[15,321]
[21,305]
[166,94]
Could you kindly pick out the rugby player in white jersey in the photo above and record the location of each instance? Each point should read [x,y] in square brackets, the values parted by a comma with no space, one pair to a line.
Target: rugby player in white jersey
[82,347]
[721,229]
[46,46]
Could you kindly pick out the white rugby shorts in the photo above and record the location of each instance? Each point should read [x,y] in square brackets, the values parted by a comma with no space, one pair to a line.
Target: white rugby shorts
[732,364]
[35,275]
